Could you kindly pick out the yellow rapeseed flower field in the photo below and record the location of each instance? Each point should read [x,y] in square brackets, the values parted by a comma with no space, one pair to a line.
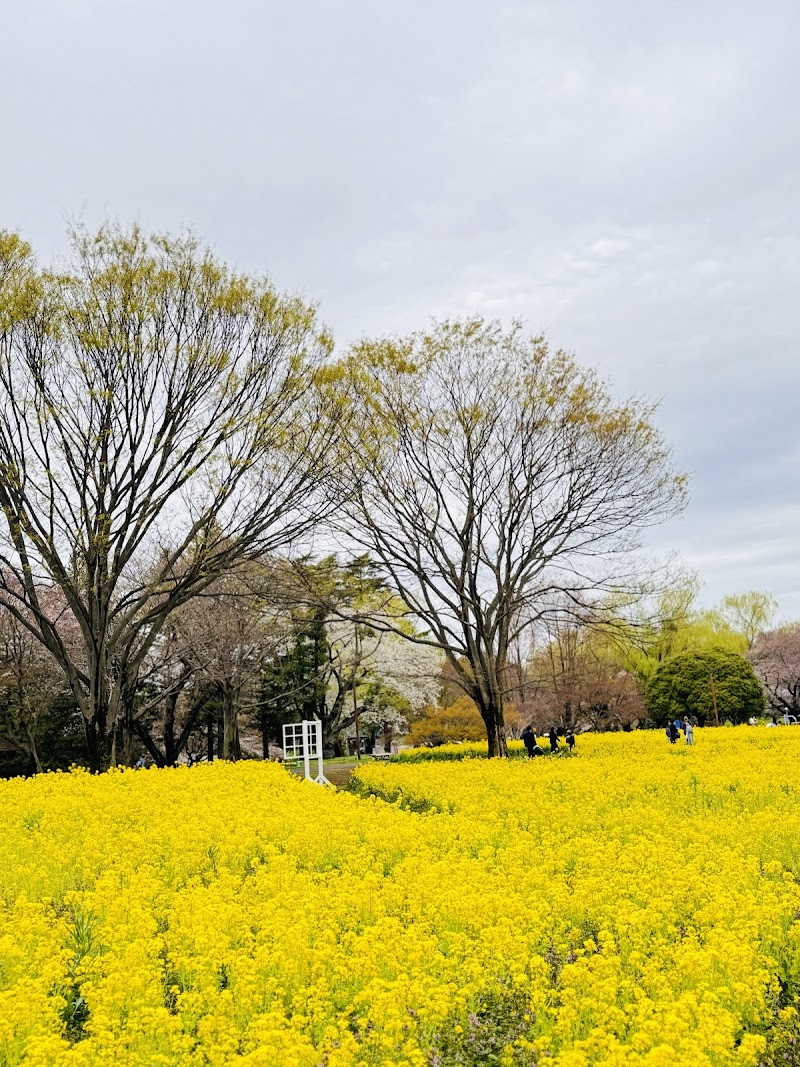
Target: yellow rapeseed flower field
[634,904]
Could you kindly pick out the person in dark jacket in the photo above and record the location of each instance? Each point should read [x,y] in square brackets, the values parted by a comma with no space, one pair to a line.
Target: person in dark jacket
[529,740]
[570,739]
[553,735]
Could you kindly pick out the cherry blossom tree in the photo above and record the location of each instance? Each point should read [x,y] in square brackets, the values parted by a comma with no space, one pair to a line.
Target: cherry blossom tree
[775,657]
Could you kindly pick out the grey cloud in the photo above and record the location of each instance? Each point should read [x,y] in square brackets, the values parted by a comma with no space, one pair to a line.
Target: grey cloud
[621,175]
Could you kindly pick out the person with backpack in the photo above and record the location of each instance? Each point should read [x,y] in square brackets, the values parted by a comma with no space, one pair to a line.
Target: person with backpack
[529,740]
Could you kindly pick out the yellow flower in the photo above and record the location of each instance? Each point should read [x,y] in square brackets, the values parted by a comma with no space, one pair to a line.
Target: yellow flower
[628,905]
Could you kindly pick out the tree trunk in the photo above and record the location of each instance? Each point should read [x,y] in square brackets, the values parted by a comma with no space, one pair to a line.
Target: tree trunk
[128,703]
[492,715]
[264,735]
[170,753]
[334,723]
[97,712]
[27,720]
[152,748]
[32,750]
[388,734]
[230,723]
[98,741]
[100,707]
[569,719]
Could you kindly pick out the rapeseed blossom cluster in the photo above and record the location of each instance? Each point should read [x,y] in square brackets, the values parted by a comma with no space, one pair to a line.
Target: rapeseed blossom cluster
[635,904]
[461,750]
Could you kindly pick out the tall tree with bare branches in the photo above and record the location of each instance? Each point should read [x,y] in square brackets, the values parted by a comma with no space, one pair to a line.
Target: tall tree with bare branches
[486,472]
[151,401]
[775,657]
[30,680]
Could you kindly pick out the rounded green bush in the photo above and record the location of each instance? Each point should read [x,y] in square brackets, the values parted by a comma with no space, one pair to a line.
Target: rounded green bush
[687,684]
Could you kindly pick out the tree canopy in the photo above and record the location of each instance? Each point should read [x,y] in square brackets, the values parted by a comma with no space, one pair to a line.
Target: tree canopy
[485,471]
[159,422]
[696,683]
[775,657]
[180,453]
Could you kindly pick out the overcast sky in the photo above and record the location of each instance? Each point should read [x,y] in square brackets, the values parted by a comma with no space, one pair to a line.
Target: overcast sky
[623,175]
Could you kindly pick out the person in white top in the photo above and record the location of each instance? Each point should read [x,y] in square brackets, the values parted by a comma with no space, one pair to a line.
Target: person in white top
[688,729]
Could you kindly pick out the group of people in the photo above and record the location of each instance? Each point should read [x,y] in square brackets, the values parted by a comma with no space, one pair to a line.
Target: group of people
[533,748]
[673,730]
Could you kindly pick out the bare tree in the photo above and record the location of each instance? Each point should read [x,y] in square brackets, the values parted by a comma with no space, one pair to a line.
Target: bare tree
[207,666]
[775,657]
[150,398]
[231,630]
[30,679]
[573,674]
[488,472]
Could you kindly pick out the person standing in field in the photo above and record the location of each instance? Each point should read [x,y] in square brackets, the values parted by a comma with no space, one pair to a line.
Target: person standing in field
[553,735]
[529,740]
[672,732]
[688,729]
[570,739]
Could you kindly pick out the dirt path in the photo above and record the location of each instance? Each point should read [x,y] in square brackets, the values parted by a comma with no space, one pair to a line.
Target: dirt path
[338,774]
